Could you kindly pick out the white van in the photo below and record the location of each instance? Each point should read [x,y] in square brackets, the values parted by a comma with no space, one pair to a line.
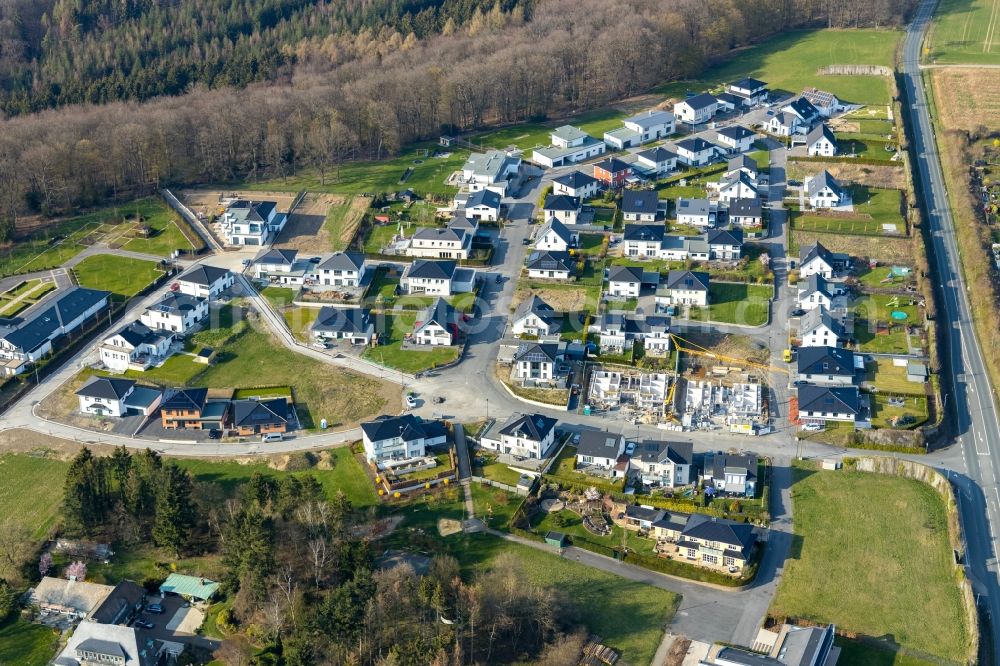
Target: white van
[272,437]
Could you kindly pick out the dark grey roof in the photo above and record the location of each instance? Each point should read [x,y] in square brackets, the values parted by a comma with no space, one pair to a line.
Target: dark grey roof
[745,208]
[644,232]
[743,161]
[701,101]
[748,83]
[735,132]
[809,252]
[561,202]
[256,211]
[824,179]
[652,451]
[600,444]
[716,463]
[550,261]
[535,427]
[536,306]
[407,426]
[460,221]
[803,108]
[709,528]
[687,280]
[440,312]
[575,179]
[558,227]
[285,256]
[32,333]
[426,268]
[729,98]
[342,320]
[109,388]
[652,324]
[639,201]
[537,352]
[817,282]
[817,317]
[673,520]
[651,118]
[835,361]
[625,274]
[191,398]
[695,144]
[116,605]
[204,275]
[743,657]
[100,646]
[175,301]
[725,237]
[613,165]
[658,154]
[137,333]
[643,513]
[834,399]
[346,261]
[483,198]
[818,132]
[260,412]
[739,177]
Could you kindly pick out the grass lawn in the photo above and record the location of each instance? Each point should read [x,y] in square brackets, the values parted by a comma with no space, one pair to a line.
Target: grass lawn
[571,524]
[427,176]
[123,276]
[382,290]
[342,220]
[31,490]
[894,342]
[496,471]
[964,31]
[890,378]
[737,303]
[914,407]
[300,321]
[495,506]
[857,653]
[392,355]
[873,207]
[590,244]
[871,549]
[790,62]
[26,644]
[674,192]
[874,277]
[530,135]
[879,307]
[604,213]
[278,297]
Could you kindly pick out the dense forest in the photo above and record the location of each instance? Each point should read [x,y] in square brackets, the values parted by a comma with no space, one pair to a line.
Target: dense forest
[300,581]
[364,94]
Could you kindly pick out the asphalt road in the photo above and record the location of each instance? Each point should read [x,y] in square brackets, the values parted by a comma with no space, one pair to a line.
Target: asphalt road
[966,387]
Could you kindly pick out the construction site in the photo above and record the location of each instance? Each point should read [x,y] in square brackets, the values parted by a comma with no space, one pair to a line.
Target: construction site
[642,396]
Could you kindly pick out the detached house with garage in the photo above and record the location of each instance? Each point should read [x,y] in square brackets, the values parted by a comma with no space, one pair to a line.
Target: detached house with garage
[829,365]
[684,288]
[254,223]
[696,109]
[725,244]
[176,313]
[599,449]
[535,317]
[490,170]
[818,328]
[716,542]
[483,205]
[640,129]
[205,281]
[390,440]
[613,172]
[742,164]
[824,191]
[642,206]
[821,142]
[783,124]
[549,265]
[437,325]
[260,417]
[735,138]
[695,151]
[342,269]
[816,292]
[802,109]
[135,347]
[816,259]
[555,237]
[116,397]
[569,146]
[564,208]
[657,161]
[746,213]
[737,186]
[576,184]
[732,474]
[696,212]
[437,278]
[829,403]
[826,103]
[189,409]
[530,436]
[440,243]
[751,91]
[643,240]
[536,361]
[624,281]
[279,265]
[352,324]
[663,464]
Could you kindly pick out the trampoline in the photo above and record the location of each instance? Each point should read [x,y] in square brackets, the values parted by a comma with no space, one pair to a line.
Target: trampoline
[899,315]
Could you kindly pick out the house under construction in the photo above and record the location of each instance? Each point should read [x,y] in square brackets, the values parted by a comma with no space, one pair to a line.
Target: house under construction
[709,403]
[644,392]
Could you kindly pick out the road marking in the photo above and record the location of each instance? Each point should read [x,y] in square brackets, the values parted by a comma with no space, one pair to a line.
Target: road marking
[979,437]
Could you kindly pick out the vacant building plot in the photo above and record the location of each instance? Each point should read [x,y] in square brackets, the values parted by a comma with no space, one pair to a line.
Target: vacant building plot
[209,202]
[323,222]
[886,249]
[879,176]
[124,277]
[965,31]
[21,297]
[968,98]
[562,298]
[870,549]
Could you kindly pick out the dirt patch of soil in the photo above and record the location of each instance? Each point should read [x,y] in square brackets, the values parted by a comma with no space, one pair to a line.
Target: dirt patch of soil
[208,201]
[561,300]
[304,229]
[447,526]
[881,176]
[18,440]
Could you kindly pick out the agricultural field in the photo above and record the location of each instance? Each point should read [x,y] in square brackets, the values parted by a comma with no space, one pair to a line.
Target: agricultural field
[965,32]
[791,60]
[968,98]
[869,549]
[124,277]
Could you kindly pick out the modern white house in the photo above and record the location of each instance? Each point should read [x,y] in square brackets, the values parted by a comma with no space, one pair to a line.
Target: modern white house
[176,313]
[352,324]
[530,436]
[342,269]
[536,361]
[663,464]
[535,317]
[642,206]
[576,184]
[735,138]
[624,281]
[117,397]
[440,243]
[490,170]
[829,403]
[824,191]
[742,164]
[696,212]
[643,240]
[205,281]
[829,365]
[561,207]
[390,440]
[683,287]
[555,237]
[725,244]
[696,109]
[640,129]
[783,124]
[818,328]
[815,291]
[750,90]
[599,449]
[825,102]
[695,151]
[815,259]
[658,161]
[254,223]
[570,145]
[738,186]
[732,474]
[279,265]
[821,142]
[135,347]
[483,205]
[437,325]
[746,212]
[548,265]
[802,108]
[437,278]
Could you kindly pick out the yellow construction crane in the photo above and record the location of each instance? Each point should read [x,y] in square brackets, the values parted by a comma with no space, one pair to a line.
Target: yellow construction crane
[689,347]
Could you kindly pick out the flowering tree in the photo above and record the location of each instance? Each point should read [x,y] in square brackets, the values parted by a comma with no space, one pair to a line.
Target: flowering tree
[45,563]
[77,571]
[765,259]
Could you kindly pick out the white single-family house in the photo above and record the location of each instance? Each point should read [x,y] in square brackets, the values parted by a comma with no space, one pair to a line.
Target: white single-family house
[435,278]
[599,449]
[549,265]
[642,206]
[802,108]
[829,365]
[815,259]
[352,324]
[530,436]
[624,281]
[564,208]
[535,317]
[536,361]
[684,287]
[829,403]
[576,184]
[437,325]
[664,464]
[735,138]
[490,170]
[695,151]
[737,186]
[824,191]
[254,223]
[555,237]
[696,109]
[818,328]
[342,269]
[569,146]
[696,212]
[483,205]
[751,91]
[643,240]
[783,124]
[205,281]
[657,161]
[821,142]
[825,102]
[816,292]
[176,313]
[725,244]
[440,243]
[135,347]
[393,439]
[746,213]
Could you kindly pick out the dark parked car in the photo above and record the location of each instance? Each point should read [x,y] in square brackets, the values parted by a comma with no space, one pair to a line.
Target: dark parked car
[143,624]
[798,313]
[154,608]
[214,433]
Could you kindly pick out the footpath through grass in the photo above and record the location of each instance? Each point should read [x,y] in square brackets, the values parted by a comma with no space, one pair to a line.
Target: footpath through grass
[871,555]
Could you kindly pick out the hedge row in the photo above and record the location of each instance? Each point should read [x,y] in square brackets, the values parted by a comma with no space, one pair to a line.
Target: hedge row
[872,161]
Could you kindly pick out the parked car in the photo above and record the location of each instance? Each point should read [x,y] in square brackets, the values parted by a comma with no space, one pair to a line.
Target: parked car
[812,427]
[143,624]
[321,345]
[526,241]
[154,608]
[215,433]
[315,260]
[411,401]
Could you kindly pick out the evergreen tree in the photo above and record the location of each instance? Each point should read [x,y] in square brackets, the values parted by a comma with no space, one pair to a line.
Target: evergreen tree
[175,513]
